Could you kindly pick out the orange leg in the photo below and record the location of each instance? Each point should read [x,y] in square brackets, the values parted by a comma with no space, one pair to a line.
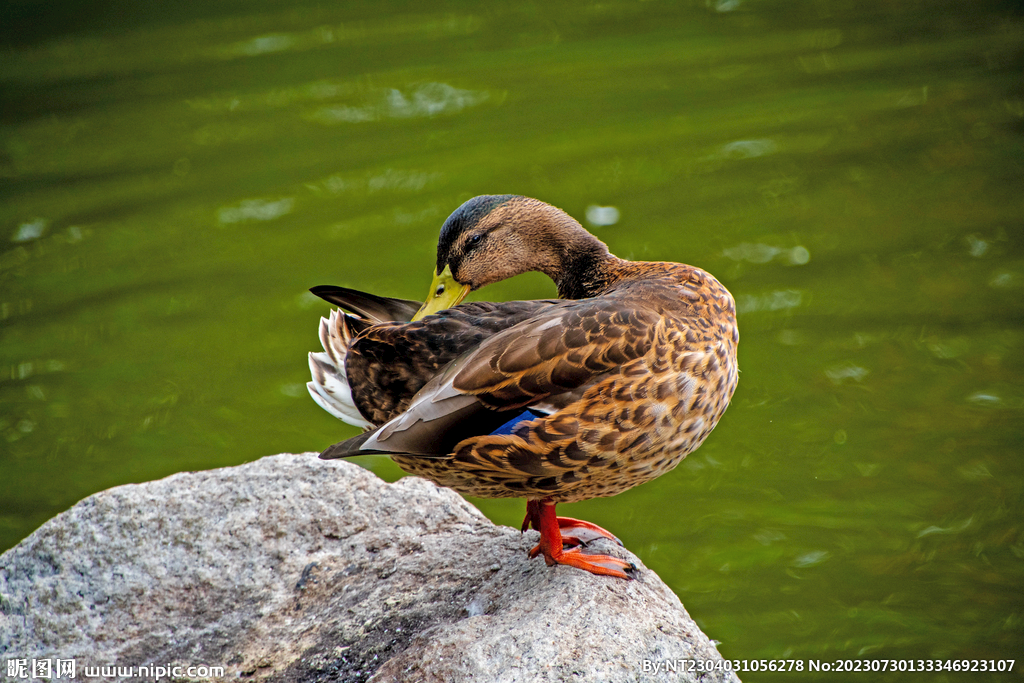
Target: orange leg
[540,514]
[574,531]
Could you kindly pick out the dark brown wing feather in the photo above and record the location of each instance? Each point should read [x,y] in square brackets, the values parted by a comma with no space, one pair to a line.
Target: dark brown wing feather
[389,362]
[374,308]
[557,351]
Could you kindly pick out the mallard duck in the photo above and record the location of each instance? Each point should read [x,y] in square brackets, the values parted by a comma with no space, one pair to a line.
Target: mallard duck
[555,401]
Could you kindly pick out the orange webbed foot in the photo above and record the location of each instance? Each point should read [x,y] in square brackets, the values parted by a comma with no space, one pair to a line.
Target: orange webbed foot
[558,532]
[604,565]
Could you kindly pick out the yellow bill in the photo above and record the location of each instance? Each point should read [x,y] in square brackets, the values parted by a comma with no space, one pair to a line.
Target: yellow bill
[445,292]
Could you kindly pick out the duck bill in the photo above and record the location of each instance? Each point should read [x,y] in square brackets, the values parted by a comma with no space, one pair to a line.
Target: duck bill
[445,292]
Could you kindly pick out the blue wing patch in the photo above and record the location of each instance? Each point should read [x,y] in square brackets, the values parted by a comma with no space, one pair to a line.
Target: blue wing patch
[528,414]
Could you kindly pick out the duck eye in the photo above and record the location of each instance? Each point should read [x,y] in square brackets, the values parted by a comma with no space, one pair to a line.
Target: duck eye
[475,239]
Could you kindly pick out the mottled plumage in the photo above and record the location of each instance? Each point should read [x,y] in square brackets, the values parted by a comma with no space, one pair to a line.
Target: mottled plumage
[386,361]
[624,376]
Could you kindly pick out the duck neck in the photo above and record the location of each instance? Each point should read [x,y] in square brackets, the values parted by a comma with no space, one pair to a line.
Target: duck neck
[585,267]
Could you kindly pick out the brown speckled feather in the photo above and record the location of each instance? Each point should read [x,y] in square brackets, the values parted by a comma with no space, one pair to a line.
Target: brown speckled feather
[655,358]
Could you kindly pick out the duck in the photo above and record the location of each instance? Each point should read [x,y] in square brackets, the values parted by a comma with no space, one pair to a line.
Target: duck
[588,395]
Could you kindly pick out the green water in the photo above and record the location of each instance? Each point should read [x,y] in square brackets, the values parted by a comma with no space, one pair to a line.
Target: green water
[174,176]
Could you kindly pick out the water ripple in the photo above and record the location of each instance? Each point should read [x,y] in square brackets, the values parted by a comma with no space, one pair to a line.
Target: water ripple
[426,100]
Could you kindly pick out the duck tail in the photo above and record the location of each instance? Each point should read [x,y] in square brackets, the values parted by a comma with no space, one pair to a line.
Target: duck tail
[329,385]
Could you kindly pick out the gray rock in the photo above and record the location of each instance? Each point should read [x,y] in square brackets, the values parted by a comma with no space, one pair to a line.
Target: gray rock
[292,568]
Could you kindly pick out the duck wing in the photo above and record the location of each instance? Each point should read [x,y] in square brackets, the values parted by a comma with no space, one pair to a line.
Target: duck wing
[559,349]
[390,362]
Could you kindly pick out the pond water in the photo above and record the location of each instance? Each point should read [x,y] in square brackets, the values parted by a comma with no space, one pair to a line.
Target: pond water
[174,177]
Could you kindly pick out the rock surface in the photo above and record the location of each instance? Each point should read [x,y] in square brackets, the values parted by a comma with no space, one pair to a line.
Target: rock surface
[291,568]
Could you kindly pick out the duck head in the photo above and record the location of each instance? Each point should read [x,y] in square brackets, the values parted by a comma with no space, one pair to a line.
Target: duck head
[494,237]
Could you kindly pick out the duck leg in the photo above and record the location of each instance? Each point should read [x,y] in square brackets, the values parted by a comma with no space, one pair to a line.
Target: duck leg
[540,514]
[574,531]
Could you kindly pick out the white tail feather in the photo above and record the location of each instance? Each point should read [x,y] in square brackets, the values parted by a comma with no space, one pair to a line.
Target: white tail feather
[329,386]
